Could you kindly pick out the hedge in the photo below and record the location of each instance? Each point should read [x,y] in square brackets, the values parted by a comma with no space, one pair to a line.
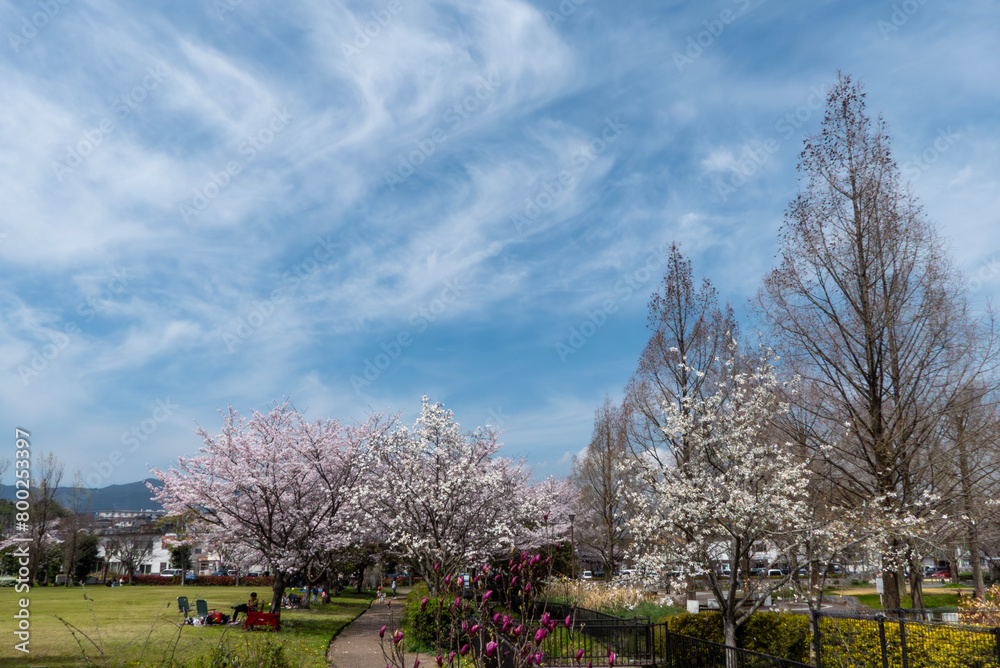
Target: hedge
[777,634]
[204,580]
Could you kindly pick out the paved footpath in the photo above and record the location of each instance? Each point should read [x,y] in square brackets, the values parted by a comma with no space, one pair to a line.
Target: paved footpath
[358,646]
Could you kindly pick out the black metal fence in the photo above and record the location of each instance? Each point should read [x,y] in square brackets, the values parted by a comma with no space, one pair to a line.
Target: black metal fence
[902,639]
[684,651]
[854,640]
[638,642]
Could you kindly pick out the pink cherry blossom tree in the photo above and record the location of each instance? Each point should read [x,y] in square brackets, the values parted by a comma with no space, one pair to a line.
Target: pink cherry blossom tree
[273,482]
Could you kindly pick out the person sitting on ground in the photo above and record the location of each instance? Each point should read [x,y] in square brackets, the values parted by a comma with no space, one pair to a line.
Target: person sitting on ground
[253,605]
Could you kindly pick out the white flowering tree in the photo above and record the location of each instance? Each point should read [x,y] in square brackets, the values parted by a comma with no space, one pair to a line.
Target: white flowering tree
[737,488]
[274,482]
[445,500]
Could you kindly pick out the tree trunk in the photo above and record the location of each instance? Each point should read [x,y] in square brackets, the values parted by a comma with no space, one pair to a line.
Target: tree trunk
[916,585]
[890,586]
[977,564]
[277,590]
[729,630]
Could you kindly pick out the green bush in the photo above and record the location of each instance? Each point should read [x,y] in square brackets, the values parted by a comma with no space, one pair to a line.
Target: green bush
[704,626]
[777,634]
[421,626]
[784,635]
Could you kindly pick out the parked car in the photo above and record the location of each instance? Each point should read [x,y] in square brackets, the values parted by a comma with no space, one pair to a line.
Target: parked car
[775,573]
[176,572]
[587,575]
[223,574]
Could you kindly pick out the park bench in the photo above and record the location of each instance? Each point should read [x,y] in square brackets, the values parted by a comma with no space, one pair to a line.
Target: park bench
[272,619]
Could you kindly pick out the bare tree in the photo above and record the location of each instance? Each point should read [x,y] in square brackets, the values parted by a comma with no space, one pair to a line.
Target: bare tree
[690,331]
[968,475]
[866,303]
[44,510]
[601,480]
[73,525]
[129,549]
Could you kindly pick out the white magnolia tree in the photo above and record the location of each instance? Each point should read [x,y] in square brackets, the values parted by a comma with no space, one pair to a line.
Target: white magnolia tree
[737,488]
[445,500]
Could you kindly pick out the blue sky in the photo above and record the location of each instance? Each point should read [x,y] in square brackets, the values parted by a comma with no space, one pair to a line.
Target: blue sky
[356,204]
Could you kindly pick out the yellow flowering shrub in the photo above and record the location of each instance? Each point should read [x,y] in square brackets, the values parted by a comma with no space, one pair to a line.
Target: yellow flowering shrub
[856,643]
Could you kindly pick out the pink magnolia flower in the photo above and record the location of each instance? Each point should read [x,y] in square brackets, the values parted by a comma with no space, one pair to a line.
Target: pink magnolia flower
[416,663]
[423,603]
[569,621]
[398,637]
[464,650]
[540,635]
[538,658]
[381,632]
[611,659]
[486,596]
[491,648]
[579,655]
[440,661]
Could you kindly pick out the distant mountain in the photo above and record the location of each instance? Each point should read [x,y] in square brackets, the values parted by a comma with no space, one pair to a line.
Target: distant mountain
[131,496]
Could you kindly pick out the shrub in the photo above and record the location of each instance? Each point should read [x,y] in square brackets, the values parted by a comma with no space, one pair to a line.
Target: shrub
[982,613]
[778,634]
[852,642]
[154,580]
[420,626]
[599,595]
[704,626]
[784,635]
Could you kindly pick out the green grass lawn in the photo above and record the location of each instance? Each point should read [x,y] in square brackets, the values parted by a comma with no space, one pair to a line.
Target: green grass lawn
[646,609]
[931,600]
[140,626]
